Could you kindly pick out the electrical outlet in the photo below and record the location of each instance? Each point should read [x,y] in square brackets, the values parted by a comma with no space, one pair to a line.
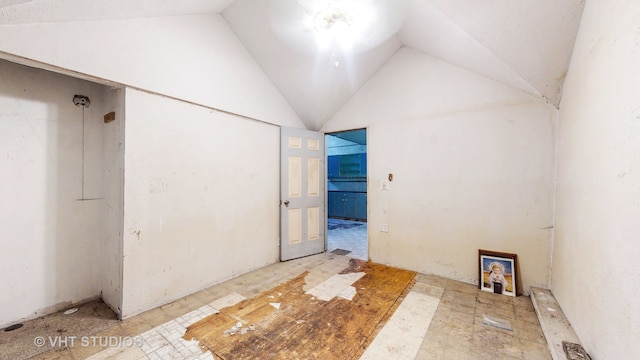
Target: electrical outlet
[384,227]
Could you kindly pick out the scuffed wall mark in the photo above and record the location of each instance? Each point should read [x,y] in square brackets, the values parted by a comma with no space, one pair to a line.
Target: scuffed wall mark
[439,262]
[562,76]
[137,234]
[158,186]
[460,277]
[549,101]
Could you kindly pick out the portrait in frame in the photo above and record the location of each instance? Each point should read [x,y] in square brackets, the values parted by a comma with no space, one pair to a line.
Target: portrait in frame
[498,272]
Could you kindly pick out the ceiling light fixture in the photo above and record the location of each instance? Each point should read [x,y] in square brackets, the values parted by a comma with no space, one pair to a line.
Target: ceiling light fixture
[345,26]
[327,20]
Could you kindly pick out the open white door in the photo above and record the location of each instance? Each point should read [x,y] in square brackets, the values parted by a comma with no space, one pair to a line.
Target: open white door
[302,208]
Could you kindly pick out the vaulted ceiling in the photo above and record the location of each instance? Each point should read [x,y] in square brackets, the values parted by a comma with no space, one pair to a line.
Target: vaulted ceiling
[524,44]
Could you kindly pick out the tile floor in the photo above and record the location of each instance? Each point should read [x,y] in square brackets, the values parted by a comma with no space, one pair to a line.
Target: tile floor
[348,235]
[457,328]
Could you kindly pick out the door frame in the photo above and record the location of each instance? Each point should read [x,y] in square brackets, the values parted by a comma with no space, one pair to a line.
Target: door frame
[326,178]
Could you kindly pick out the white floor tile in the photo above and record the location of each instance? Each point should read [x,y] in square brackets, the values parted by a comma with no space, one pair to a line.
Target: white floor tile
[402,336]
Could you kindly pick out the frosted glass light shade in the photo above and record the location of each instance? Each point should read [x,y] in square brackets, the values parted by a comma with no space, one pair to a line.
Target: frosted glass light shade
[347,26]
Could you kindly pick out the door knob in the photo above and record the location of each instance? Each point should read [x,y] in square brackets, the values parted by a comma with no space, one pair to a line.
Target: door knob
[286,203]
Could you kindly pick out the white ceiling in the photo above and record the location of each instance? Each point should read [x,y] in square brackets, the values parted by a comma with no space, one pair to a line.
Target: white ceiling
[524,44]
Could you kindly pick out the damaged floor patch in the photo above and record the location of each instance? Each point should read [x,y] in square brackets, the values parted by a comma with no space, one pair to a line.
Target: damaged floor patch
[335,285]
[403,334]
[305,326]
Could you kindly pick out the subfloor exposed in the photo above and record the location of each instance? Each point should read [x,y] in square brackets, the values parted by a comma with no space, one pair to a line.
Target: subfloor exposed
[432,318]
[339,316]
[348,235]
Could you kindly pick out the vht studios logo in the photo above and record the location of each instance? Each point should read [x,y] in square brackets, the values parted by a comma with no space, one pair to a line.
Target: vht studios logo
[85,341]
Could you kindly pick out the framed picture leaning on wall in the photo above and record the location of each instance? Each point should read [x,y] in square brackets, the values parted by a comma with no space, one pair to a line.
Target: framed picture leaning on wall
[498,272]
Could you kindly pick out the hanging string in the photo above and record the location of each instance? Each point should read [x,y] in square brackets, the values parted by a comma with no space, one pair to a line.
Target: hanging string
[83,153]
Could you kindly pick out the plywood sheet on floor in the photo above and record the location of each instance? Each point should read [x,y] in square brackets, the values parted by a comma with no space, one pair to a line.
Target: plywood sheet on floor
[302,326]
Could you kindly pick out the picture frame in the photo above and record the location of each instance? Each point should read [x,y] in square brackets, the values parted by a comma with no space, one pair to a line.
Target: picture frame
[498,272]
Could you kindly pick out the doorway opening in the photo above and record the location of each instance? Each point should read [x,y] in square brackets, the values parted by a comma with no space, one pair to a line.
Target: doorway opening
[347,193]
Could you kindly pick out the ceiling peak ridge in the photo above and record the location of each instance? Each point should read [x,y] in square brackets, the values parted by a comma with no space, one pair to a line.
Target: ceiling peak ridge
[460,48]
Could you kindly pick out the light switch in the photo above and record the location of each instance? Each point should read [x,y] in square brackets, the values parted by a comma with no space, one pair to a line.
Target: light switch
[384,185]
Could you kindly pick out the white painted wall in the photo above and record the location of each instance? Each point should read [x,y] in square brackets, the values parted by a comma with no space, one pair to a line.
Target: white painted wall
[201,199]
[206,65]
[52,240]
[196,58]
[107,100]
[472,163]
[596,250]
